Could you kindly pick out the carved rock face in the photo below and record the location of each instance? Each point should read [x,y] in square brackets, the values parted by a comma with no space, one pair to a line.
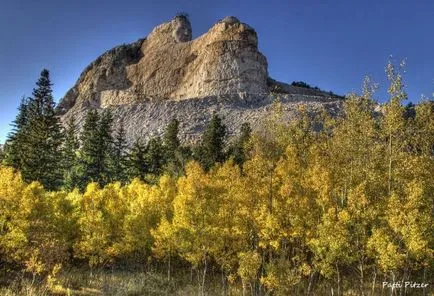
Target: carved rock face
[168,64]
[170,75]
[182,32]
[230,20]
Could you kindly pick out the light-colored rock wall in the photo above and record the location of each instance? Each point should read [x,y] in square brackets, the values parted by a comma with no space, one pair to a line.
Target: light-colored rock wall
[169,75]
[169,65]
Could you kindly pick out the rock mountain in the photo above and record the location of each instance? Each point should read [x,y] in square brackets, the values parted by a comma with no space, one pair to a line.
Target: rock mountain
[170,75]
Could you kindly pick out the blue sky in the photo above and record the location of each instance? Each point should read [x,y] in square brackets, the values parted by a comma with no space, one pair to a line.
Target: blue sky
[330,45]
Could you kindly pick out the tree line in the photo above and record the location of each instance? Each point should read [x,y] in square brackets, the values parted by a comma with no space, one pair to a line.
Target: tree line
[62,158]
[318,205]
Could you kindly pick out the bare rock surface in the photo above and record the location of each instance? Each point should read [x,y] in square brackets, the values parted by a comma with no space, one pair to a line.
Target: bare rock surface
[169,75]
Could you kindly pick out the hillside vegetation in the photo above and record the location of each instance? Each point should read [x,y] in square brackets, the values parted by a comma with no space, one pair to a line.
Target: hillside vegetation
[320,205]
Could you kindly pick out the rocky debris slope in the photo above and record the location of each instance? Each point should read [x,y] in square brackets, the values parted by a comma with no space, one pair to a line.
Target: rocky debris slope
[169,75]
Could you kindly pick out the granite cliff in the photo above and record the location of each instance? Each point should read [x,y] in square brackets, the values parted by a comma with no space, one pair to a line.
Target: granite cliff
[168,74]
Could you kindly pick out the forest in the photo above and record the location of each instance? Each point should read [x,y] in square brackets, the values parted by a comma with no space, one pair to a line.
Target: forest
[320,205]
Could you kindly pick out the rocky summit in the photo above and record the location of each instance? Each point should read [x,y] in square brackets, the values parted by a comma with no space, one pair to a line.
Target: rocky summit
[170,75]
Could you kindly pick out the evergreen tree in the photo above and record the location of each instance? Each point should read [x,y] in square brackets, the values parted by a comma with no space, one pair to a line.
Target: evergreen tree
[89,162]
[2,153]
[105,140]
[70,149]
[137,164]
[171,141]
[237,150]
[119,157]
[14,143]
[96,148]
[210,150]
[176,155]
[155,157]
[42,137]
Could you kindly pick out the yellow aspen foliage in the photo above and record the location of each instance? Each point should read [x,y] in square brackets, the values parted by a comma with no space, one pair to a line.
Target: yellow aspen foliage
[297,207]
[386,252]
[393,122]
[165,245]
[232,233]
[249,264]
[31,224]
[332,245]
[281,276]
[100,224]
[261,189]
[13,215]
[193,218]
[147,205]
[410,220]
[423,129]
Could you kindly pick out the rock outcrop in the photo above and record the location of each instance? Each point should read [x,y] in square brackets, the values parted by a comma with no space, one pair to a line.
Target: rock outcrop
[168,74]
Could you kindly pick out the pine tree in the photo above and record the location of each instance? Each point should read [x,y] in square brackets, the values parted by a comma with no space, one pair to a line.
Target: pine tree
[96,148]
[171,141]
[14,143]
[2,153]
[176,155]
[42,137]
[119,157]
[237,151]
[136,160]
[105,140]
[210,150]
[70,149]
[155,157]
[89,161]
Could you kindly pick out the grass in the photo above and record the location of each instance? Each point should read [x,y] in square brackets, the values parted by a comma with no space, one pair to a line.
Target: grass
[152,282]
[79,281]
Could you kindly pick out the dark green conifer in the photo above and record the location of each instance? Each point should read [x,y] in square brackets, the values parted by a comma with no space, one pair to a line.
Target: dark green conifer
[70,153]
[89,155]
[96,148]
[12,151]
[211,148]
[2,153]
[175,155]
[155,157]
[119,156]
[237,150]
[171,141]
[42,138]
[136,159]
[105,146]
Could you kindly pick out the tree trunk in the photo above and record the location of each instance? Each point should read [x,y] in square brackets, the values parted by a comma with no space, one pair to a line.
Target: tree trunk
[271,193]
[373,282]
[309,287]
[402,281]
[393,287]
[168,269]
[424,280]
[362,280]
[390,165]
[203,278]
[339,279]
[224,283]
